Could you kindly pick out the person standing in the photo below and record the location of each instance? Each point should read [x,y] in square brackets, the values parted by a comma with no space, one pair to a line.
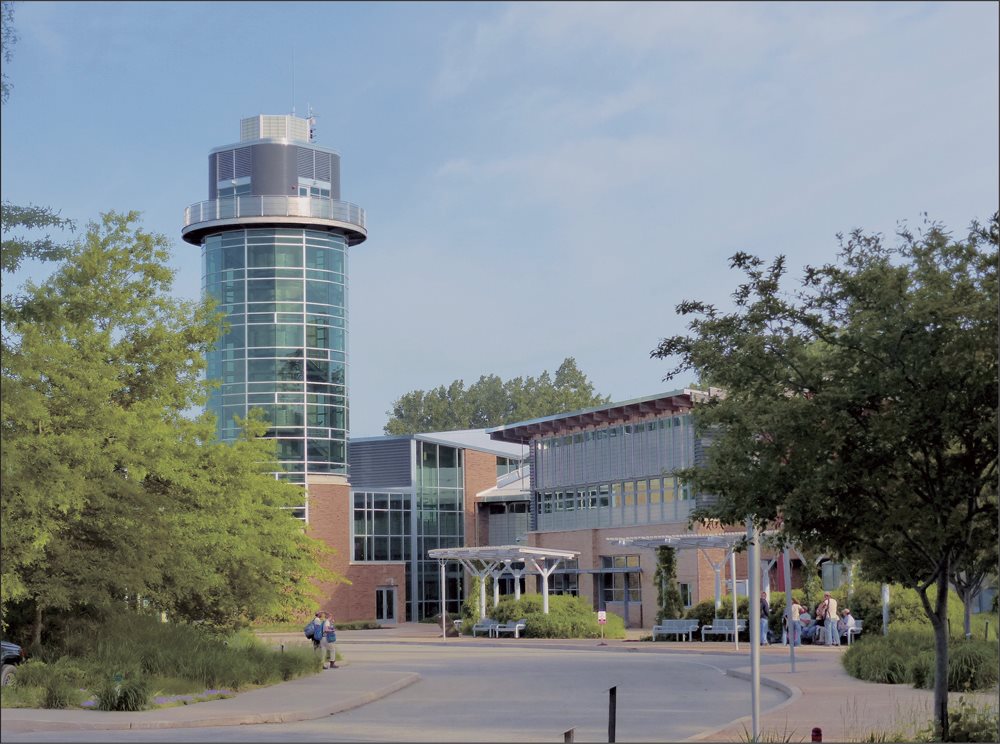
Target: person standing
[830,620]
[327,641]
[765,612]
[794,628]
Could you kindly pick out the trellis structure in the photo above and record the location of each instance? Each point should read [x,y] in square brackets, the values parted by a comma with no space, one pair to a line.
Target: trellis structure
[496,560]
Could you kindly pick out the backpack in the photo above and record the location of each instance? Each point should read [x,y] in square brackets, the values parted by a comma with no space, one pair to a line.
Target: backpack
[318,632]
[310,630]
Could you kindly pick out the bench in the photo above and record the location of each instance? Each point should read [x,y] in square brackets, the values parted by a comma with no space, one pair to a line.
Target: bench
[676,627]
[723,626]
[856,630]
[486,625]
[514,627]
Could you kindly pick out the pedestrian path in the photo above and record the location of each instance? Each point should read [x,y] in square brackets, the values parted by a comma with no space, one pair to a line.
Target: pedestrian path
[820,694]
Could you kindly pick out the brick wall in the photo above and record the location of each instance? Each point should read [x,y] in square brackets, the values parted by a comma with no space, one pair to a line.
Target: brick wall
[480,474]
[329,521]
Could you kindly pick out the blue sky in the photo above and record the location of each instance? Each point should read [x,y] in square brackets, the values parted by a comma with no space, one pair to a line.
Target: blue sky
[541,180]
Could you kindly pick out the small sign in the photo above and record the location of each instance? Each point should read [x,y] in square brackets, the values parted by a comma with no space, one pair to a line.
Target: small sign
[602,617]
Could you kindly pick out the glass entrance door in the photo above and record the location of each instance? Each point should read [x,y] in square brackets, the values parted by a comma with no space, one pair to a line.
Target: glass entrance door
[385,604]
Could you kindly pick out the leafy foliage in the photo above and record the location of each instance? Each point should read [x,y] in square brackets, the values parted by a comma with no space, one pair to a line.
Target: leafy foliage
[110,491]
[568,617]
[492,402]
[860,412]
[148,655]
[668,594]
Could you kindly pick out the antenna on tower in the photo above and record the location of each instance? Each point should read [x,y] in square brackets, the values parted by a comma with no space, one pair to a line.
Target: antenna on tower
[312,123]
[293,81]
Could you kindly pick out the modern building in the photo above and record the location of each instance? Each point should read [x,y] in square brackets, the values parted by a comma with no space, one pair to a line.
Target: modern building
[409,495]
[274,238]
[609,472]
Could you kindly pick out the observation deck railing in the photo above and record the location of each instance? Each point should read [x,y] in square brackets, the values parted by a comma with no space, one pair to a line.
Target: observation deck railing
[235,207]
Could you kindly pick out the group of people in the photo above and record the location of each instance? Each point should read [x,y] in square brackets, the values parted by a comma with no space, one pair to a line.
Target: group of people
[825,626]
[324,637]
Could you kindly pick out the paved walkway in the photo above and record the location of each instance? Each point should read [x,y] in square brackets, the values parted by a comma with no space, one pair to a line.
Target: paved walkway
[820,694]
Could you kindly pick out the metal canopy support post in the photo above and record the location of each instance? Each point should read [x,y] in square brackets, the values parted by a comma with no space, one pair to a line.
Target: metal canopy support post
[444,590]
[481,573]
[790,633]
[717,567]
[753,592]
[545,572]
[732,585]
[496,573]
[765,575]
[518,573]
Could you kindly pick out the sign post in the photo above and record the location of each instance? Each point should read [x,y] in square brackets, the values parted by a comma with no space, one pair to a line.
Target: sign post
[602,620]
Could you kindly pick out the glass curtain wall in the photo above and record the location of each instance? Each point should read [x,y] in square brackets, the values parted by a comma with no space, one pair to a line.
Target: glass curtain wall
[615,476]
[440,522]
[283,293]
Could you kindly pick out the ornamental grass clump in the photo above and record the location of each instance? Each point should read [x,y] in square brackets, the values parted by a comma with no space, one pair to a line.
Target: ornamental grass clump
[126,695]
[907,655]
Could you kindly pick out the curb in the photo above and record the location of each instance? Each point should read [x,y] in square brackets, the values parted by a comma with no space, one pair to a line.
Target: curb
[794,694]
[247,719]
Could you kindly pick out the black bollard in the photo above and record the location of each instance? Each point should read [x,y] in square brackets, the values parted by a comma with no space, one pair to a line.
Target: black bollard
[817,733]
[612,712]
[568,735]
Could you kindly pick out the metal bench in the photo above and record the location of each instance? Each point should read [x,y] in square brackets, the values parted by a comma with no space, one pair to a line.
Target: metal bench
[855,631]
[676,627]
[514,627]
[486,625]
[723,626]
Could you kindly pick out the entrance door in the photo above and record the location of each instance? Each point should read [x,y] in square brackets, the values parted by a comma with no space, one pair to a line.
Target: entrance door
[385,604]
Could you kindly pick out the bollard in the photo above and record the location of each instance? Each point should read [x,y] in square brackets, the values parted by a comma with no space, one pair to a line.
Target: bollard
[817,733]
[282,648]
[986,633]
[568,735]
[612,705]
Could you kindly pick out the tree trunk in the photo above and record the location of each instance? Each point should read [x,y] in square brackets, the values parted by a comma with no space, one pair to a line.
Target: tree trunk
[36,635]
[939,619]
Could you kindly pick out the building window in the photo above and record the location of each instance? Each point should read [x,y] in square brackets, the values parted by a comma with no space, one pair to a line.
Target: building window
[566,583]
[381,526]
[614,586]
[686,595]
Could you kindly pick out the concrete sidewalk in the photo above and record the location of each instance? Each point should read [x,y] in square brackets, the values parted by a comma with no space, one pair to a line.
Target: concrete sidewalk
[820,693]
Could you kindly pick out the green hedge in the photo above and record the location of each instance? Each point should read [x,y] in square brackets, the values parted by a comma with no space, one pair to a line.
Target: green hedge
[907,655]
[569,617]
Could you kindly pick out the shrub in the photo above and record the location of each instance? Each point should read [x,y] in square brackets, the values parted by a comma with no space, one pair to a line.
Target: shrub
[569,617]
[972,665]
[969,723]
[128,695]
[907,655]
[59,693]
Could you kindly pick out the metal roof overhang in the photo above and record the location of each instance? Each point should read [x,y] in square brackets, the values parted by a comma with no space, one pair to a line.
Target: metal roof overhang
[726,540]
[500,553]
[625,412]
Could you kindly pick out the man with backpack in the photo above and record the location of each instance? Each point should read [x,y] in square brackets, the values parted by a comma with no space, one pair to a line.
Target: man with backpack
[323,635]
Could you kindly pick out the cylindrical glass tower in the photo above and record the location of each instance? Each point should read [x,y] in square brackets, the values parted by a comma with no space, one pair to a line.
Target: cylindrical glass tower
[274,237]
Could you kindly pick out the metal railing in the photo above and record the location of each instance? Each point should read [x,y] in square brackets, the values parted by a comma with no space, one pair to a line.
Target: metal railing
[274,206]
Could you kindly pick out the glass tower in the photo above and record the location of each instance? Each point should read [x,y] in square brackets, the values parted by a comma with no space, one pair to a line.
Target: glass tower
[274,236]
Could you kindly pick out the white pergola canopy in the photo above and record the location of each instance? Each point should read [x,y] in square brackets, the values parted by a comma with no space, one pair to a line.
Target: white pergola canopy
[727,541]
[496,560]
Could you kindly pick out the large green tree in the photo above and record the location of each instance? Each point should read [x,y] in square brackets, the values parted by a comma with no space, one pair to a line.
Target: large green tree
[861,409]
[492,402]
[109,488]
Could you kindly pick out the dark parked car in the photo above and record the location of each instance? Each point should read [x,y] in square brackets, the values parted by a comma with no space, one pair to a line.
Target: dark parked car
[12,656]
